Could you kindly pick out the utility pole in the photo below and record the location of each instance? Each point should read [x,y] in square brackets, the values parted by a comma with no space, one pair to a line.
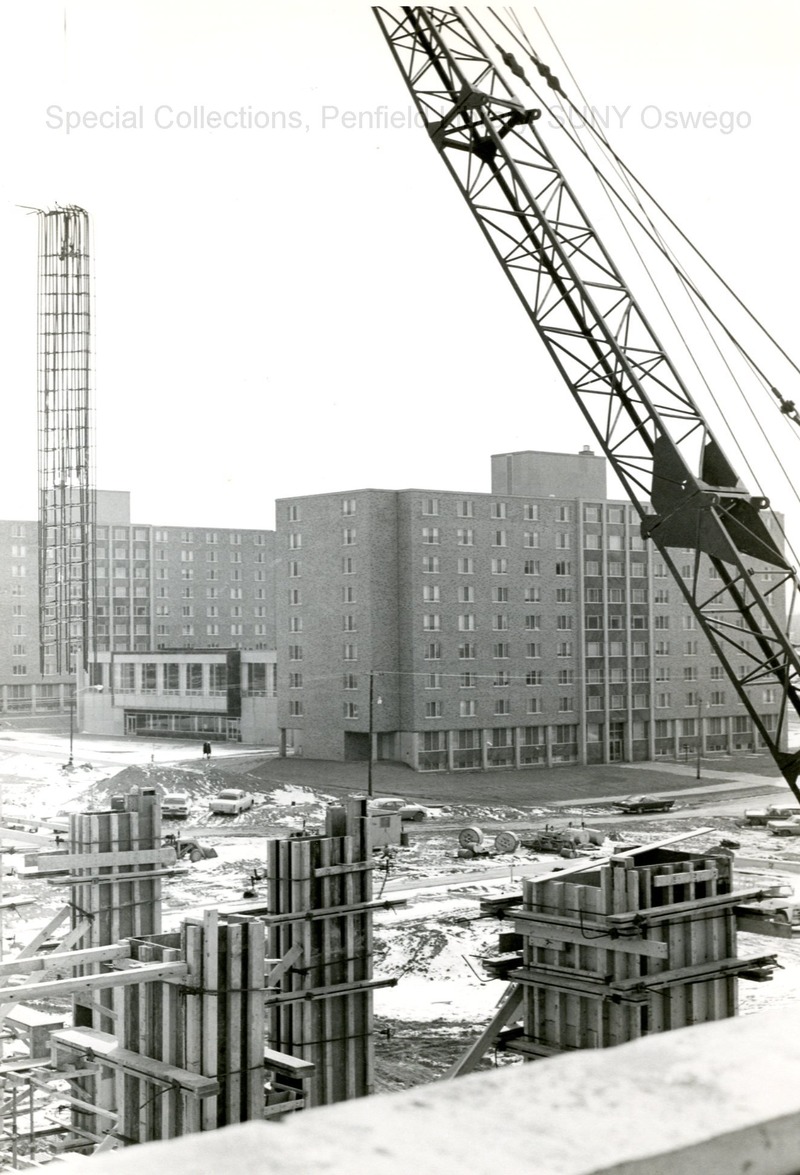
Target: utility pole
[699,731]
[369,761]
[373,701]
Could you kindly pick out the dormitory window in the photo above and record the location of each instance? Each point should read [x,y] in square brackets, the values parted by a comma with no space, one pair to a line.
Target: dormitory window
[533,595]
[563,568]
[294,569]
[348,506]
[430,506]
[564,514]
[502,706]
[295,624]
[430,622]
[430,593]
[467,708]
[534,677]
[348,595]
[349,681]
[350,709]
[430,534]
[502,678]
[531,512]
[466,651]
[498,510]
[466,622]
[499,566]
[433,651]
[533,623]
[348,565]
[500,539]
[531,538]
[433,681]
[501,651]
[349,536]
[294,596]
[235,539]
[211,535]
[430,564]
[562,541]
[465,536]
[465,509]
[350,652]
[500,623]
[533,649]
[466,566]
[295,653]
[293,513]
[500,595]
[295,708]
[564,649]
[468,681]
[433,709]
[295,540]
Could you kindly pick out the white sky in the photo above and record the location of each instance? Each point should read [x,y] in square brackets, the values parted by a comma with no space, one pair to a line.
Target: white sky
[291,311]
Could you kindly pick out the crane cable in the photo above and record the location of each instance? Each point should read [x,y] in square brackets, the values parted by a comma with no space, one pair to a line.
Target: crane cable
[695,297]
[787,407]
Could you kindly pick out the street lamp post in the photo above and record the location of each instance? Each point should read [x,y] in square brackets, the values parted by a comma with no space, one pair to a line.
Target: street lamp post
[372,702]
[72,699]
[699,731]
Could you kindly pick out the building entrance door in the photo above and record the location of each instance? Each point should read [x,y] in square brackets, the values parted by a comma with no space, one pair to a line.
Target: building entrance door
[616,742]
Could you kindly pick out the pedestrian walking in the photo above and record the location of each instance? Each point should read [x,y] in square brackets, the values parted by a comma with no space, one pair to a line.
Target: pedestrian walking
[206,751]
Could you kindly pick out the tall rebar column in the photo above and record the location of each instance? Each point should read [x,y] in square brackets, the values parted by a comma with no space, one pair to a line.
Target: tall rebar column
[67,498]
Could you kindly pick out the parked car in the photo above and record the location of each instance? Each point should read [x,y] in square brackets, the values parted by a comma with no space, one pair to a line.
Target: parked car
[638,804]
[781,904]
[762,816]
[788,827]
[387,804]
[175,805]
[231,802]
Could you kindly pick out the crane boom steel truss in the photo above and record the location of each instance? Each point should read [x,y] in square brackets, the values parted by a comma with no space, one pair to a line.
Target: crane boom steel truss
[66,475]
[659,445]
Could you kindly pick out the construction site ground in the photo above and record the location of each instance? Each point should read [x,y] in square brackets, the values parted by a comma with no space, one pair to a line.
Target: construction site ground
[434,943]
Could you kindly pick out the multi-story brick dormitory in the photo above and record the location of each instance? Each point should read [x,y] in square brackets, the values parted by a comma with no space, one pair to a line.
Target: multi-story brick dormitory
[156,588]
[529,625]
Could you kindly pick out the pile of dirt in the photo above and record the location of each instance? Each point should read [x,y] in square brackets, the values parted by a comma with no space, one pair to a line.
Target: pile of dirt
[163,778]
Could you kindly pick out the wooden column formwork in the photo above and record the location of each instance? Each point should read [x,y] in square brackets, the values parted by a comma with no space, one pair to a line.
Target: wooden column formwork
[636,946]
[319,1008]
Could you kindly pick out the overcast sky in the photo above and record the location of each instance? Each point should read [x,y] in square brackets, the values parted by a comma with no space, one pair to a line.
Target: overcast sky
[308,307]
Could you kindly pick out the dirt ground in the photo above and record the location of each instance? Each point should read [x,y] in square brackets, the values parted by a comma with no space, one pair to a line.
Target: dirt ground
[435,944]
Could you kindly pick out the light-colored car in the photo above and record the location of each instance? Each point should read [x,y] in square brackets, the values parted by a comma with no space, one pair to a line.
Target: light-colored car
[231,802]
[780,904]
[762,816]
[387,804]
[788,827]
[175,805]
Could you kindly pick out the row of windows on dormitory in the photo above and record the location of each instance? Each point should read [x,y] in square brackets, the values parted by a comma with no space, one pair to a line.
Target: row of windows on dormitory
[431,507]
[536,650]
[506,708]
[617,677]
[467,536]
[143,534]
